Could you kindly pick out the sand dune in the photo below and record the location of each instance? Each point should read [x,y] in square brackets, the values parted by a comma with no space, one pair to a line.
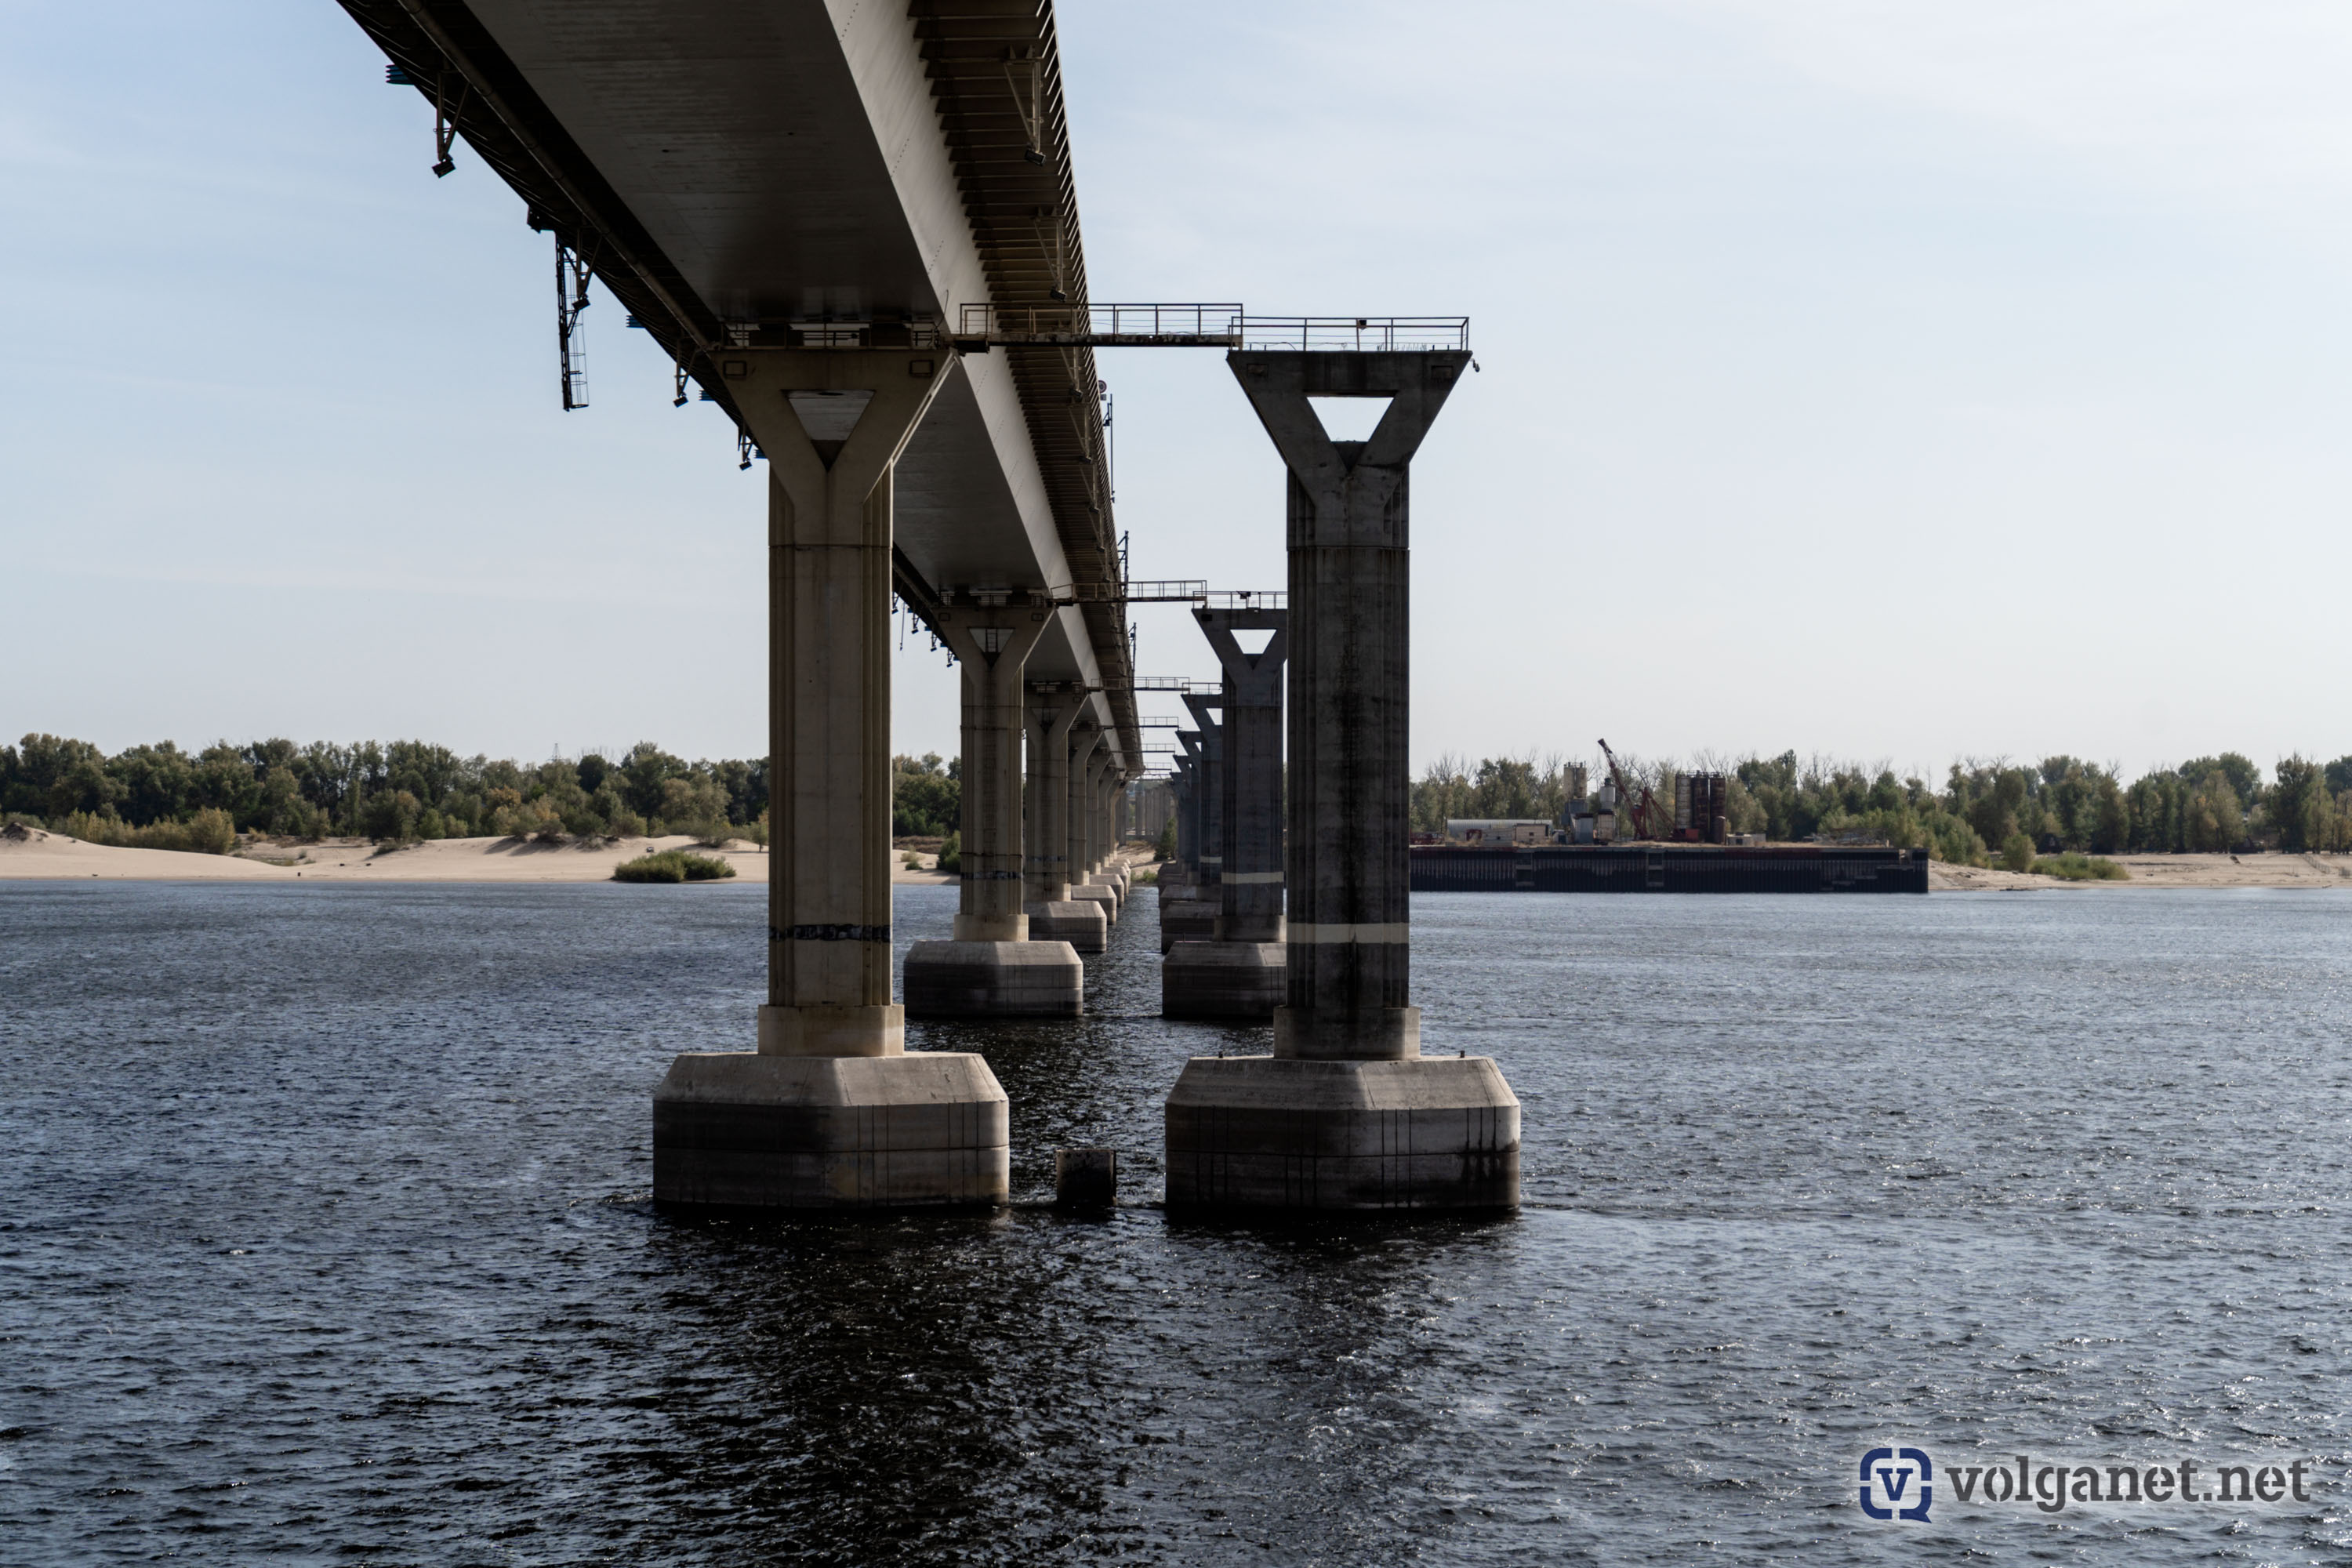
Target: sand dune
[53,857]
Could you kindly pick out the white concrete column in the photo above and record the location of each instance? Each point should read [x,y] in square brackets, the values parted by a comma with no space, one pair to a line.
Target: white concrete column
[1051,712]
[991,634]
[830,424]
[1085,739]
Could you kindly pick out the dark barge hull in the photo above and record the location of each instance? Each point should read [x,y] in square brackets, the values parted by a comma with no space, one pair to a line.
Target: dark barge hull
[1669,869]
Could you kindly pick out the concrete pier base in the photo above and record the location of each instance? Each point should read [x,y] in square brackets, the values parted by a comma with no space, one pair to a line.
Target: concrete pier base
[995,980]
[1270,1132]
[1186,920]
[1107,898]
[1240,980]
[1078,921]
[741,1130]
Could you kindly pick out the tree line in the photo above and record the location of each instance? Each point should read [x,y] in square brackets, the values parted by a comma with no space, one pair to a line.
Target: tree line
[155,795]
[1983,809]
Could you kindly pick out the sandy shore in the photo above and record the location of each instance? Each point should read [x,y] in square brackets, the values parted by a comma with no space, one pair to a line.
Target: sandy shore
[2163,871]
[52,856]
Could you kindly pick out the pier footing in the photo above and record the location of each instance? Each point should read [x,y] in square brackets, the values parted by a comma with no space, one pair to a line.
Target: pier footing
[739,1129]
[1078,921]
[995,980]
[1272,1132]
[1242,980]
[1095,893]
[1186,919]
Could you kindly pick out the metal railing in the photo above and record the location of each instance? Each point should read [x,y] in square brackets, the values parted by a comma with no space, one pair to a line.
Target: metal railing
[1103,326]
[1218,326]
[1165,591]
[1261,599]
[1161,683]
[1356,334]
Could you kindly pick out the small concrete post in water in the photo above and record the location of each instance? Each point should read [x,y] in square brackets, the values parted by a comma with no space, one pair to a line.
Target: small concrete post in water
[1346,1113]
[991,969]
[830,1112]
[1085,1178]
[1241,972]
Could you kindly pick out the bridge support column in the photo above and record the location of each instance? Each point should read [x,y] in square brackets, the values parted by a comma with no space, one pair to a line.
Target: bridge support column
[1101,780]
[1347,1113]
[1054,914]
[1192,916]
[830,1112]
[1086,747]
[1240,973]
[991,969]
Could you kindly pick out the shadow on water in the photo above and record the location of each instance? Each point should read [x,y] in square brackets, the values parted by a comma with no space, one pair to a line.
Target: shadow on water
[1034,1386]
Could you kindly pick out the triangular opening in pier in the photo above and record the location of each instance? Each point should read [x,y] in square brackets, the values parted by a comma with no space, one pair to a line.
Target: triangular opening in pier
[1252,643]
[829,417]
[1350,418]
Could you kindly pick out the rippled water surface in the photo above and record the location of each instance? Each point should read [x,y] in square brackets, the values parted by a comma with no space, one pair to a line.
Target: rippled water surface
[324,1235]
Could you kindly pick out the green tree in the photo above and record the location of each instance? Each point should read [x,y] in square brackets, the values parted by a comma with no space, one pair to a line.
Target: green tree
[2299,808]
[925,799]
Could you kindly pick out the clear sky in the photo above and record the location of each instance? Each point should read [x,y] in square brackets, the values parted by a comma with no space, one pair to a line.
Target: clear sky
[1890,382]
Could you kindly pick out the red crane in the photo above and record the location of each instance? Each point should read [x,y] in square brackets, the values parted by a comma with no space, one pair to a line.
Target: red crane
[1644,810]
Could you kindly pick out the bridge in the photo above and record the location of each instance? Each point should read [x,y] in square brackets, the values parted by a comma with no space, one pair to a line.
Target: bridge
[853,228]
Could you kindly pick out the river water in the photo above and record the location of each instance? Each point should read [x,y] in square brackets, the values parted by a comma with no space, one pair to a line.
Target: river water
[324,1237]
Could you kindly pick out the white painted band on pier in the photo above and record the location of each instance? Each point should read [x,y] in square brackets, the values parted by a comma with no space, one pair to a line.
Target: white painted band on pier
[1400,931]
[1253,877]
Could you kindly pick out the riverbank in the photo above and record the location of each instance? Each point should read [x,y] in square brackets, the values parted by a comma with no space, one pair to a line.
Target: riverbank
[52,856]
[2258,870]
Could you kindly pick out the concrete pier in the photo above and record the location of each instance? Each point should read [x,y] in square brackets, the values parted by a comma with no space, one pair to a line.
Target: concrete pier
[1210,858]
[1242,973]
[1187,911]
[991,969]
[830,1112]
[1088,757]
[1346,1114]
[1054,914]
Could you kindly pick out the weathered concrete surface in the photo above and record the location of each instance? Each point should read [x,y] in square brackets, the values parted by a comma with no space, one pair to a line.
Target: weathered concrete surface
[995,980]
[1269,1133]
[1223,980]
[1106,899]
[1186,917]
[1085,1178]
[1078,921]
[736,1128]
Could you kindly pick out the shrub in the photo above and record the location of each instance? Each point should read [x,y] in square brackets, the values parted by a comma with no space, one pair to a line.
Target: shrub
[209,832]
[1147,877]
[672,865]
[951,855]
[2076,867]
[2017,853]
